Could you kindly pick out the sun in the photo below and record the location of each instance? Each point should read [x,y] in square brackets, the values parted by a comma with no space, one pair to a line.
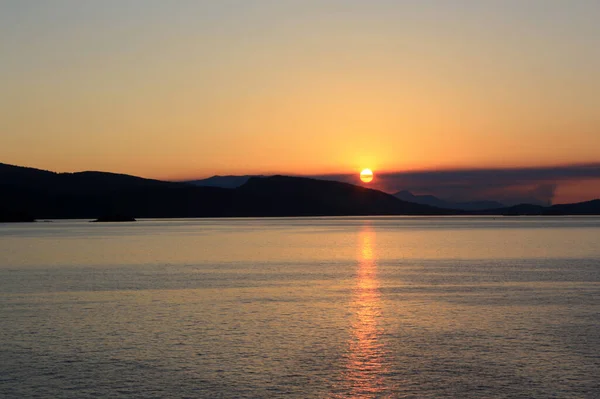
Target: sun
[366,175]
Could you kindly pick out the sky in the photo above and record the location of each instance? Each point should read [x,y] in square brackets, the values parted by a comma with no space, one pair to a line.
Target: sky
[189,89]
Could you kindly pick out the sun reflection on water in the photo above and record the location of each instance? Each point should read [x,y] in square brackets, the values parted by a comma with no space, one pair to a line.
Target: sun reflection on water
[366,366]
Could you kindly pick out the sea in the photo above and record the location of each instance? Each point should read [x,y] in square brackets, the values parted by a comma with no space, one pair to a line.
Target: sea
[349,307]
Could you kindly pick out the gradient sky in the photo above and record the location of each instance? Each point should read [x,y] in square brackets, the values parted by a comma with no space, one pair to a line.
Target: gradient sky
[188,88]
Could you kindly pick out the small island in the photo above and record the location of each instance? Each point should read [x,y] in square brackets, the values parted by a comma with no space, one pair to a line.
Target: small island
[114,218]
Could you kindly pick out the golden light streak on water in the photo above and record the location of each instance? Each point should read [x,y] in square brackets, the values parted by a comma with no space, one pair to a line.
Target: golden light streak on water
[366,363]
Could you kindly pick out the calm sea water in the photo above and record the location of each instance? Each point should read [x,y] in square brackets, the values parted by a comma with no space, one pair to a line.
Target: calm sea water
[386,307]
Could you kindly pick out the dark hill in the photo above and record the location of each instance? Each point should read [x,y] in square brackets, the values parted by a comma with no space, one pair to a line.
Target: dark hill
[440,203]
[15,217]
[580,208]
[48,195]
[27,194]
[222,181]
[21,178]
[301,196]
[523,209]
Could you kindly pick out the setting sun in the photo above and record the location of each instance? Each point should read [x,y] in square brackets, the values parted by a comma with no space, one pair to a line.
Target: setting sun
[366,175]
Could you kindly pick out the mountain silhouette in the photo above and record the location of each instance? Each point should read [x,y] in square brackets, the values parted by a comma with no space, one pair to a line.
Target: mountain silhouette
[15,216]
[302,196]
[581,208]
[222,181]
[49,195]
[27,194]
[431,200]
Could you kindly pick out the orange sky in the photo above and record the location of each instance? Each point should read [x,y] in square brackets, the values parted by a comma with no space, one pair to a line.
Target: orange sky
[193,89]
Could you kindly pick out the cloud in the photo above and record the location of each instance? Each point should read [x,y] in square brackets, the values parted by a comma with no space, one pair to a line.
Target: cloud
[507,185]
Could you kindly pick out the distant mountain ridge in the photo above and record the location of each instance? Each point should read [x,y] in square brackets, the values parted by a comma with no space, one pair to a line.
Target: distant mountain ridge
[27,194]
[222,181]
[581,208]
[49,195]
[233,181]
[303,196]
[440,203]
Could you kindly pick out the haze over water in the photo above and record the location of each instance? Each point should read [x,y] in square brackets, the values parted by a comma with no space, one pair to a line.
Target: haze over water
[411,307]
